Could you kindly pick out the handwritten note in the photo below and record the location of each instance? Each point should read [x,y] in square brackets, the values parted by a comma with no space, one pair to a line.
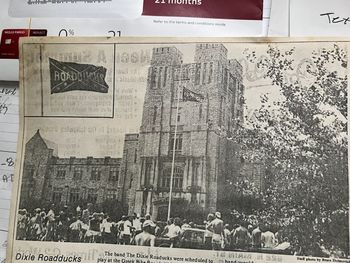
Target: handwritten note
[319,18]
[8,142]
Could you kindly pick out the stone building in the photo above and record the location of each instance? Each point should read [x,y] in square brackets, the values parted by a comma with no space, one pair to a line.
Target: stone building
[49,178]
[206,159]
[204,156]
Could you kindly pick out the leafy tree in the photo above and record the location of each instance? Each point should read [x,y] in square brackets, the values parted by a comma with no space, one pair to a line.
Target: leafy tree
[302,139]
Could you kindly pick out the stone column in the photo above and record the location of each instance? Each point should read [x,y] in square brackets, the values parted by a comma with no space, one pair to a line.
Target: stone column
[141,177]
[185,176]
[156,176]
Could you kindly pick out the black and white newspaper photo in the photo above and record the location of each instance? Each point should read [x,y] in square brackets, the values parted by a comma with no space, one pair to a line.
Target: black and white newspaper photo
[149,150]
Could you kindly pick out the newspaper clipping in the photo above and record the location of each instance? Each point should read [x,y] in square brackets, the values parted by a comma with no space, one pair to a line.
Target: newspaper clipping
[168,150]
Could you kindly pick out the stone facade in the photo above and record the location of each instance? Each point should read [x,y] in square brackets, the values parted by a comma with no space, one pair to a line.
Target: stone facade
[205,159]
[67,180]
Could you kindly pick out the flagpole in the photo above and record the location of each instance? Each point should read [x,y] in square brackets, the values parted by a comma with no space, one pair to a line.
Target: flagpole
[174,146]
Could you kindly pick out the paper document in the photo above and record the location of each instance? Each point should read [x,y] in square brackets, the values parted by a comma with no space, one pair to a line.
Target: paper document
[8,142]
[9,67]
[224,9]
[76,8]
[142,26]
[279,18]
[137,150]
[150,26]
[319,18]
[266,16]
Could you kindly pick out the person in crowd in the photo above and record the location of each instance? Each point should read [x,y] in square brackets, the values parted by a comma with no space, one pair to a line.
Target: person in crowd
[158,230]
[146,238]
[166,228]
[136,223]
[174,231]
[78,211]
[120,229]
[250,230]
[59,229]
[185,224]
[106,231]
[227,237]
[87,213]
[268,239]
[127,230]
[43,225]
[94,229]
[208,235]
[75,229]
[21,224]
[50,225]
[256,238]
[216,226]
[36,225]
[240,237]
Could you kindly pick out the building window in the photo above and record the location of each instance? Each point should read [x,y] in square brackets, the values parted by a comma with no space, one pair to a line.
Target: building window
[179,117]
[165,76]
[78,173]
[57,195]
[30,170]
[210,75]
[153,78]
[111,194]
[74,195]
[204,72]
[92,195]
[178,143]
[197,74]
[61,173]
[177,178]
[225,73]
[95,174]
[159,82]
[185,74]
[113,174]
[135,156]
[148,173]
[155,109]
[233,83]
[131,180]
[222,112]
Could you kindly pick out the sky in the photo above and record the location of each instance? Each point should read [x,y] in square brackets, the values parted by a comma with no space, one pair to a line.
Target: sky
[105,137]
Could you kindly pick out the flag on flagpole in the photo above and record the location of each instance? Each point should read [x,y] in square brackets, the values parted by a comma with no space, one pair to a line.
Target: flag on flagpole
[189,95]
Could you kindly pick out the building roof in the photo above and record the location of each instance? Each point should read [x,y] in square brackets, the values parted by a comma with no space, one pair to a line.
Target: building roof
[49,144]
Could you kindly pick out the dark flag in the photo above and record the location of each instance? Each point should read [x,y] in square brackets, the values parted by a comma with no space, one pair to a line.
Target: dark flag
[188,95]
[68,76]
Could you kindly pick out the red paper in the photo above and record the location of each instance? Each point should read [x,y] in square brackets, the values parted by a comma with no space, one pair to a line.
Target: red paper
[10,40]
[224,9]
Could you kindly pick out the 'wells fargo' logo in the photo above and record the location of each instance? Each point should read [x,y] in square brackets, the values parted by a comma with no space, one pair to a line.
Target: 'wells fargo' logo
[68,76]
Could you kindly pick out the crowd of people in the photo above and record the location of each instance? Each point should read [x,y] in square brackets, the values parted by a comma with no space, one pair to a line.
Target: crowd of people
[86,225]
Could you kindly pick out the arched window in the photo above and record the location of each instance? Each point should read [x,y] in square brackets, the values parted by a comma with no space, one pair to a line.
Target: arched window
[177,178]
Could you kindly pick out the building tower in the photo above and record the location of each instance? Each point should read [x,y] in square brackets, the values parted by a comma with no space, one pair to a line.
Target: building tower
[205,157]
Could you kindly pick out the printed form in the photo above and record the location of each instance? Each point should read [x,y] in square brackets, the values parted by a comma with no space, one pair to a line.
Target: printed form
[8,142]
